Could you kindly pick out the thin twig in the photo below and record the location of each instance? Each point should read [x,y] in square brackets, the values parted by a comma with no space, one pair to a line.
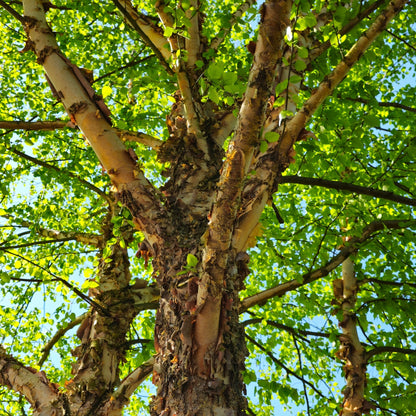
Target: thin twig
[84,297]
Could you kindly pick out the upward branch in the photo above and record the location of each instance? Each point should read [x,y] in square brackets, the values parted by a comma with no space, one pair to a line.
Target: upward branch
[88,112]
[277,158]
[148,31]
[275,18]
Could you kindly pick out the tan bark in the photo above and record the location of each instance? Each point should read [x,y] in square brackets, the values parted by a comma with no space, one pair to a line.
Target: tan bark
[275,18]
[257,191]
[351,350]
[135,190]
[33,385]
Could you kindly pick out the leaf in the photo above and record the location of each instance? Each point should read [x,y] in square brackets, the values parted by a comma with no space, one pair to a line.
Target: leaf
[106,91]
[300,65]
[191,260]
[215,70]
[271,136]
[213,95]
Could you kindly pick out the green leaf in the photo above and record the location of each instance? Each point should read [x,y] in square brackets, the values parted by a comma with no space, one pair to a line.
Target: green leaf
[213,95]
[215,70]
[271,136]
[191,260]
[300,65]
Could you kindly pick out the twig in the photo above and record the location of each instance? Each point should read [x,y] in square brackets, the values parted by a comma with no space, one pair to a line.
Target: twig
[281,364]
[84,297]
[70,174]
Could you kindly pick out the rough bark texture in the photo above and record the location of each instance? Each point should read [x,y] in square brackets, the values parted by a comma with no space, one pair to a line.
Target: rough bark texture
[208,209]
[351,350]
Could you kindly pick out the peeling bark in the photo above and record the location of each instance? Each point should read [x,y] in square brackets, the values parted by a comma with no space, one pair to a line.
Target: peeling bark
[351,350]
[276,160]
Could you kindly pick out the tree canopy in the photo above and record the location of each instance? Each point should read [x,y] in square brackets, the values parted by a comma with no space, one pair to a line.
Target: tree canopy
[214,196]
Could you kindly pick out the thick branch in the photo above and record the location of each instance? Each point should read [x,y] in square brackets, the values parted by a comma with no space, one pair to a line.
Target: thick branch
[127,387]
[343,186]
[147,30]
[277,158]
[351,351]
[89,113]
[43,396]
[193,41]
[275,18]
[327,86]
[350,247]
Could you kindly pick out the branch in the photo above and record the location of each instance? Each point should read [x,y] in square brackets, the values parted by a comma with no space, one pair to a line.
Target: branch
[35,125]
[383,282]
[381,350]
[56,169]
[43,396]
[33,243]
[277,158]
[13,12]
[59,334]
[138,137]
[85,238]
[193,41]
[148,32]
[127,387]
[84,297]
[342,186]
[351,351]
[347,28]
[129,65]
[401,40]
[350,247]
[293,331]
[330,82]
[275,19]
[281,364]
[384,104]
[89,113]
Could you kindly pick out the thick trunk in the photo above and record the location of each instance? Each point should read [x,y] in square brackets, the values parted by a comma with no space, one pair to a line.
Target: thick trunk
[183,387]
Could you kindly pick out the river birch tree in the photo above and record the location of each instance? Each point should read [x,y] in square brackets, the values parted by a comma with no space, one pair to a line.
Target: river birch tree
[211,197]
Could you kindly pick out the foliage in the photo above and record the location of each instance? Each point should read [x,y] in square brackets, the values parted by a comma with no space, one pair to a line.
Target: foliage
[364,134]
